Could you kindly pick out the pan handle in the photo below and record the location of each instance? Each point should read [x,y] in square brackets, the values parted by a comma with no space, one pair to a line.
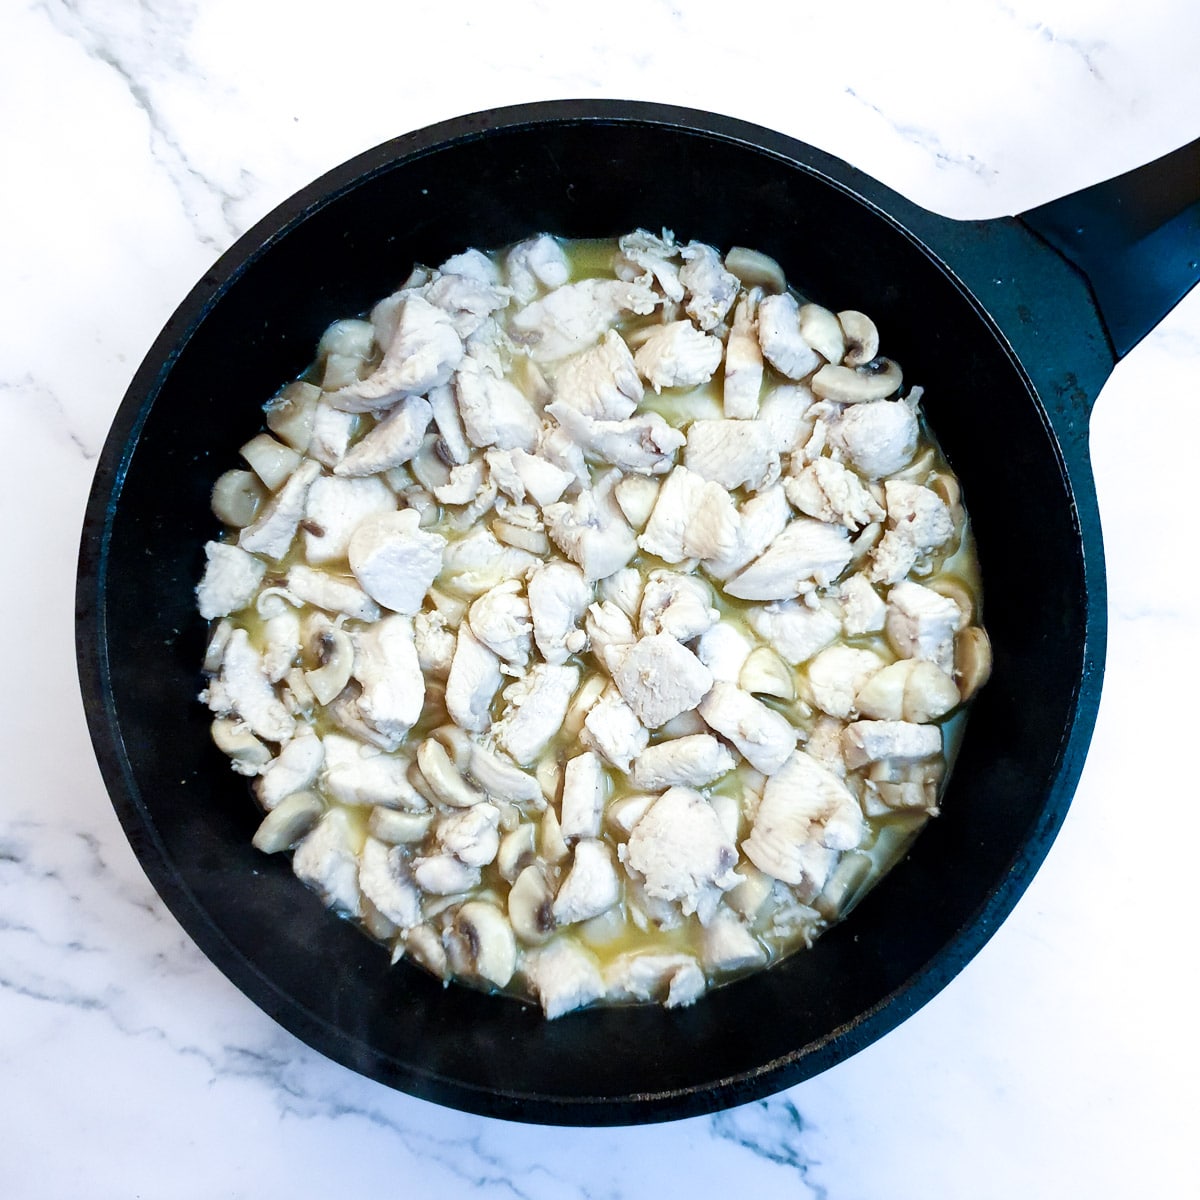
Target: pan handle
[1135,238]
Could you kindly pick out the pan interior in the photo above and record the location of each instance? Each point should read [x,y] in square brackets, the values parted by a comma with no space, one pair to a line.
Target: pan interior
[191,819]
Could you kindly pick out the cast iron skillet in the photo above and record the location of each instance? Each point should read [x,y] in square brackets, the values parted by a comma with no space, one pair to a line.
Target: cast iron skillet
[1012,348]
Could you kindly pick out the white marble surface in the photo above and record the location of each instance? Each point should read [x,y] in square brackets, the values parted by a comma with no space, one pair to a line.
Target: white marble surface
[137,141]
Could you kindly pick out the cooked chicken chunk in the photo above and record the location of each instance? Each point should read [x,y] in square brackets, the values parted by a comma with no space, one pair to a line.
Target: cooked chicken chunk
[803,805]
[393,441]
[921,623]
[591,885]
[729,946]
[879,437]
[356,774]
[645,444]
[395,560]
[494,412]
[711,290]
[692,518]
[271,533]
[794,630]
[681,605]
[469,299]
[918,524]
[678,355]
[606,627]
[694,761]
[681,852]
[577,315]
[292,771]
[386,665]
[327,861]
[563,976]
[723,649]
[612,729]
[423,352]
[533,264]
[583,795]
[335,594]
[559,596]
[334,510]
[744,361]
[779,336]
[763,737]
[534,708]
[808,554]
[472,834]
[674,979]
[732,453]
[501,620]
[836,674]
[648,259]
[896,741]
[473,682]
[591,531]
[863,608]
[659,679]
[601,382]
[231,580]
[829,491]
[242,689]
[760,520]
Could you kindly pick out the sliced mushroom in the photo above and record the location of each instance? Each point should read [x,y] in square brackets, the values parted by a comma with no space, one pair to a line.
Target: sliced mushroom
[423,945]
[972,660]
[290,415]
[214,652]
[875,380]
[480,944]
[517,850]
[288,822]
[862,338]
[335,651]
[236,498]
[766,674]
[755,269]
[502,779]
[234,738]
[550,839]
[531,906]
[821,330]
[908,690]
[398,827]
[444,778]
[270,460]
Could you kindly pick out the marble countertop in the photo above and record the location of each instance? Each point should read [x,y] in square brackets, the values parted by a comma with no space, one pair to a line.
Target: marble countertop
[139,141]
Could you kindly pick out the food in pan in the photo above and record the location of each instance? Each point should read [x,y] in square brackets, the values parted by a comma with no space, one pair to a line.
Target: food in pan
[596,621]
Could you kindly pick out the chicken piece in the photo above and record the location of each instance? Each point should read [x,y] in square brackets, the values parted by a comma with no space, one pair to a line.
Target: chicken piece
[723,649]
[779,337]
[732,453]
[607,627]
[682,853]
[921,623]
[387,667]
[293,770]
[645,258]
[435,644]
[473,682]
[465,485]
[691,761]
[326,859]
[711,290]
[807,555]
[613,731]
[423,352]
[332,431]
[919,522]
[392,442]
[583,795]
[478,561]
[385,880]
[471,264]
[645,444]
[280,641]
[863,609]
[675,979]
[559,596]
[231,578]
[836,675]
[334,509]
[395,560]
[242,689]
[879,437]
[536,263]
[908,690]
[271,533]
[534,708]
[472,834]
[591,885]
[830,492]
[500,619]
[763,737]
[678,355]
[894,741]
[356,774]
[563,976]
[787,411]
[692,518]
[494,412]
[728,945]
[760,520]
[795,631]
[591,530]
[519,474]
[444,874]
[744,361]
[659,679]
[468,299]
[601,382]
[332,593]
[680,605]
[804,807]
[577,315]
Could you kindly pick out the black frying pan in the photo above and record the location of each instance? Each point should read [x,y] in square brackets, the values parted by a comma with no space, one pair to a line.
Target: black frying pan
[1012,346]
